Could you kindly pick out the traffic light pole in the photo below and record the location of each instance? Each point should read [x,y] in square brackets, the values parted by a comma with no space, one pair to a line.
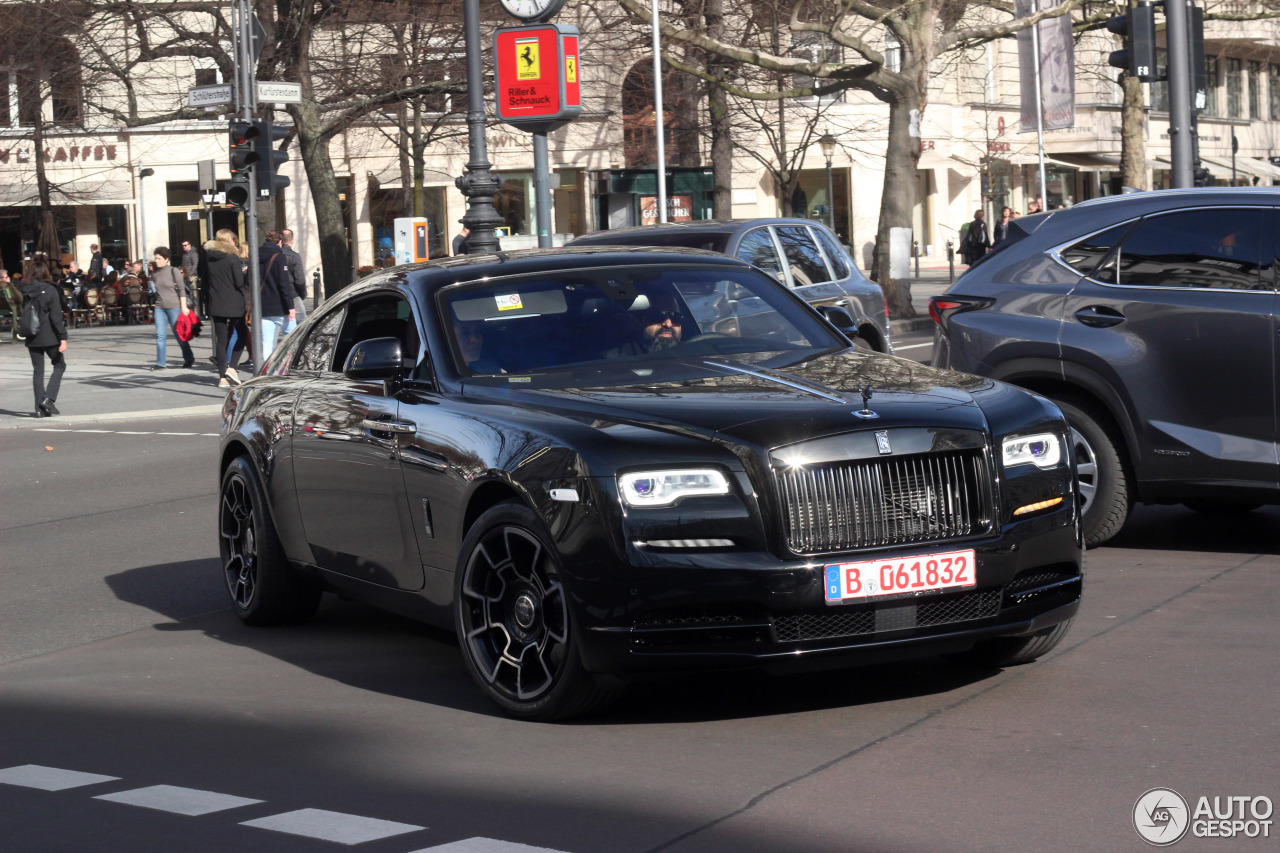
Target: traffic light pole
[1181,128]
[246,102]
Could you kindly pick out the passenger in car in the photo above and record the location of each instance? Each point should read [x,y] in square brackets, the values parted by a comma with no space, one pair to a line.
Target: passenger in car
[470,335]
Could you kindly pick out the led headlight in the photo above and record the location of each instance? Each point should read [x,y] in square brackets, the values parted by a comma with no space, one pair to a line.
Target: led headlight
[663,488]
[1044,450]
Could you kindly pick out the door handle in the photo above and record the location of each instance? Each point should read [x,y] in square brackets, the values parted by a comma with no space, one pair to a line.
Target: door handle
[407,427]
[1099,316]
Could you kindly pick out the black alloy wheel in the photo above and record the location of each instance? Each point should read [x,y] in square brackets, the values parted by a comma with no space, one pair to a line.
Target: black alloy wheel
[514,622]
[264,588]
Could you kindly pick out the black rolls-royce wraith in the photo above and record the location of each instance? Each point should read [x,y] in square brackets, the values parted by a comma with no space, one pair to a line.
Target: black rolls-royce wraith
[595,463]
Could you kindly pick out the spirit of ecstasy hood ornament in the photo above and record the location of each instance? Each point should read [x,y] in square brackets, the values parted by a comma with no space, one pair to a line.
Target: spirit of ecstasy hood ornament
[865,413]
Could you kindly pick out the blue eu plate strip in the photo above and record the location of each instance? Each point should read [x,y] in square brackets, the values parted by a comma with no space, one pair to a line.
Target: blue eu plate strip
[833,583]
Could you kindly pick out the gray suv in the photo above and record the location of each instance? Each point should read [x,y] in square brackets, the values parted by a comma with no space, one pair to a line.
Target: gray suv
[1151,319]
[803,255]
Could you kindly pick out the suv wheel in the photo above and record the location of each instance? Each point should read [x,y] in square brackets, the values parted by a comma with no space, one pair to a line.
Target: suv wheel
[1102,463]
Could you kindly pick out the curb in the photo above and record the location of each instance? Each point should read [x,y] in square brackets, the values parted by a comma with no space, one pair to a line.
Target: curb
[911,324]
[71,420]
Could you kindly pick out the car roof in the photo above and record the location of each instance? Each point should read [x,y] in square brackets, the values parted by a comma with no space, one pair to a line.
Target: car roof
[463,269]
[1200,195]
[717,226]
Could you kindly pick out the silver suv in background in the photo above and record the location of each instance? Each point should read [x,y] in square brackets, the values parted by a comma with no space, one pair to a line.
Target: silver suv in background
[801,254]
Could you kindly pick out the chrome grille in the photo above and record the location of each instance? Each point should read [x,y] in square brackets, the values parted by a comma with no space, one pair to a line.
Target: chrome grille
[892,501]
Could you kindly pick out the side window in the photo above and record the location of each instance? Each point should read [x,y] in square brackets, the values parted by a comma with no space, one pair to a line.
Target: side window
[316,353]
[836,255]
[385,315]
[1215,248]
[802,255]
[1084,256]
[757,248]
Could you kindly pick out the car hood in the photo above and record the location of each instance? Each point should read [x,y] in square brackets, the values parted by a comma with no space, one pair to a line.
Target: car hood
[759,400]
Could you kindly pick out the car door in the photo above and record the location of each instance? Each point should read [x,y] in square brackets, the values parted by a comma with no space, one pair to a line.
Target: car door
[347,469]
[1179,322]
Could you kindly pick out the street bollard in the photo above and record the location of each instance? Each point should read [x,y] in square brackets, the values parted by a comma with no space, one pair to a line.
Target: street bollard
[951,261]
[915,253]
[315,289]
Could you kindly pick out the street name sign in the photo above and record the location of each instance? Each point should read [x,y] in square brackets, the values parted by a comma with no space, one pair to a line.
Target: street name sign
[279,93]
[210,96]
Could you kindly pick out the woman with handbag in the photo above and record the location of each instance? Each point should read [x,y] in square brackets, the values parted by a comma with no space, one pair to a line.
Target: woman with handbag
[171,303]
[228,300]
[49,339]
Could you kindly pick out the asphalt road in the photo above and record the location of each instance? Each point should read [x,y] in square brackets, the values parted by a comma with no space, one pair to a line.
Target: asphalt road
[119,657]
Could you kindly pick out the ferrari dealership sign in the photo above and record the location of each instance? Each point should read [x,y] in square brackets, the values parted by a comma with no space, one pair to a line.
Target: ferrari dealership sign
[537,76]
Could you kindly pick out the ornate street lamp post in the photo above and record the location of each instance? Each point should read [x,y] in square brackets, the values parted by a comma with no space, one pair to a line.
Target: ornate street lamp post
[479,185]
[827,143]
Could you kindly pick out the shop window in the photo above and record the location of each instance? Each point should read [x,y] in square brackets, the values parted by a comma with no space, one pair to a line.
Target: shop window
[1255,90]
[387,205]
[113,232]
[1234,85]
[514,203]
[1273,91]
[1211,88]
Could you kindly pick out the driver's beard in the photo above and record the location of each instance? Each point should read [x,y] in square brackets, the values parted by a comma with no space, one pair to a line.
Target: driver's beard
[659,343]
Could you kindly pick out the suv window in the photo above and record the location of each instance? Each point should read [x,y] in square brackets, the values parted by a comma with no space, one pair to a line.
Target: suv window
[1216,248]
[1084,256]
[835,254]
[316,353]
[757,248]
[802,255]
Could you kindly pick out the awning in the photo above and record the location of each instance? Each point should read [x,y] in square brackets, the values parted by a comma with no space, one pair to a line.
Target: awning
[938,160]
[1244,166]
[76,194]
[1088,161]
[1212,165]
[389,178]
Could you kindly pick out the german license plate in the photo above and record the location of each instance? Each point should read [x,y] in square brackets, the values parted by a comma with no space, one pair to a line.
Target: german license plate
[879,578]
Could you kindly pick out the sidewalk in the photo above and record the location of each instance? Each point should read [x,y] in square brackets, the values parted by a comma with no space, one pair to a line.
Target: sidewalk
[107,379]
[930,282]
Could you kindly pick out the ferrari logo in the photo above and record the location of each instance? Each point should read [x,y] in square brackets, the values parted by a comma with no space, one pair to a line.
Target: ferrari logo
[571,69]
[527,65]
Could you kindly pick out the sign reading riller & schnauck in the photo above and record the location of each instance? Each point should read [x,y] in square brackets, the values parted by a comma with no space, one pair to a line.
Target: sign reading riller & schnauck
[537,76]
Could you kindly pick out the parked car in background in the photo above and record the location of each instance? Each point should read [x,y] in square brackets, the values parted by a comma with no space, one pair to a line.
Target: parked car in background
[1151,319]
[560,455]
[802,254]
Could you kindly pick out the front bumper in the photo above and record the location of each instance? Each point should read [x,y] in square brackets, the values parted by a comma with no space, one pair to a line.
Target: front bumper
[733,609]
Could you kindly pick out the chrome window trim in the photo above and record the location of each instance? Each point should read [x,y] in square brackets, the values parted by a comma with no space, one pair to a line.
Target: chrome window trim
[1056,251]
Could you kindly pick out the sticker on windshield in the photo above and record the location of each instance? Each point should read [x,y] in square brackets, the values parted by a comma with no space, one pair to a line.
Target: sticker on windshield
[509,302]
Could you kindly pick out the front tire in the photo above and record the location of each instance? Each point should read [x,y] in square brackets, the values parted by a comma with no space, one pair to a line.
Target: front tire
[1103,467]
[514,623]
[264,588]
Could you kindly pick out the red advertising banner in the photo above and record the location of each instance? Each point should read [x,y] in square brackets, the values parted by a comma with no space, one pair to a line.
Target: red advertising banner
[537,83]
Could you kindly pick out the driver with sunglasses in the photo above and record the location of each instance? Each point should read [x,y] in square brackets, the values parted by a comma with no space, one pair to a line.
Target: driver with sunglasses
[663,323]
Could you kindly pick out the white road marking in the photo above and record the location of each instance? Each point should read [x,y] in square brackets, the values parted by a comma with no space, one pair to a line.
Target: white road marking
[129,432]
[123,432]
[96,430]
[177,433]
[912,346]
[485,845]
[186,801]
[50,778]
[332,826]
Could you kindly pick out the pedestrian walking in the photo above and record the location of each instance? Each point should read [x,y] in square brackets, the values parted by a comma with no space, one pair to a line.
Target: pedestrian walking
[228,298]
[976,241]
[1001,229]
[460,241]
[296,275]
[96,263]
[171,303]
[49,340]
[278,295]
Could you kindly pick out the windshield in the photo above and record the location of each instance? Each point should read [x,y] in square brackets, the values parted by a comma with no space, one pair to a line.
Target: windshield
[588,318]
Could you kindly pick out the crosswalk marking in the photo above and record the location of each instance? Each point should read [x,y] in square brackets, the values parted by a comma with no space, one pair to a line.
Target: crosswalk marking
[185,801]
[50,778]
[485,845]
[332,826]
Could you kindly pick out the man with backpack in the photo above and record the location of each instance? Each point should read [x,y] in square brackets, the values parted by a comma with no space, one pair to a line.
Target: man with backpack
[45,334]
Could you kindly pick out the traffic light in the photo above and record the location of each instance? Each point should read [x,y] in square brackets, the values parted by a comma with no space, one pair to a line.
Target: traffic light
[268,159]
[1138,28]
[1199,67]
[242,155]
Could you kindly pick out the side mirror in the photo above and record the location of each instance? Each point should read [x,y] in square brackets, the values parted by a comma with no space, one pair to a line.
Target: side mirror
[374,359]
[841,319]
